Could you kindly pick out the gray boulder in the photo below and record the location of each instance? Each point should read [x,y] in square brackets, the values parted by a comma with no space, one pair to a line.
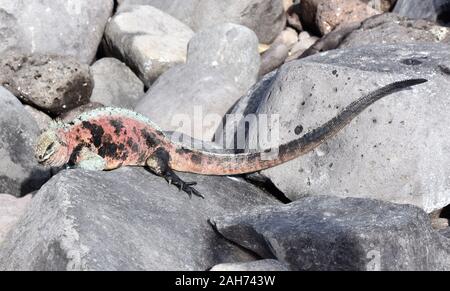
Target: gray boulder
[259,266]
[115,84]
[434,10]
[445,232]
[54,84]
[265,17]
[391,28]
[148,40]
[395,151]
[19,171]
[71,28]
[43,120]
[273,58]
[329,233]
[11,210]
[386,28]
[127,219]
[223,63]
[228,48]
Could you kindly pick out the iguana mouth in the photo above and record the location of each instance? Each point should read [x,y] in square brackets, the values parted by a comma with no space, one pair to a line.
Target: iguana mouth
[43,160]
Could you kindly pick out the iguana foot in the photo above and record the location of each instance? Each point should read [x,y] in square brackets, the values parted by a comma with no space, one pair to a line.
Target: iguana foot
[158,164]
[186,187]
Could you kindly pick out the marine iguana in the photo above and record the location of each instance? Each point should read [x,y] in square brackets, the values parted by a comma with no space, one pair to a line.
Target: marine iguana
[109,138]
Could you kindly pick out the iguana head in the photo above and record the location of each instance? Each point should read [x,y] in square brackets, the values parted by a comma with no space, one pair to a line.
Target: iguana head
[51,149]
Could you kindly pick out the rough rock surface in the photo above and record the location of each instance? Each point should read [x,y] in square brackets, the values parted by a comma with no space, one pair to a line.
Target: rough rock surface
[42,119]
[433,10]
[391,28]
[381,5]
[148,40]
[322,16]
[260,266]
[265,17]
[394,151]
[127,219]
[52,83]
[329,233]
[273,58]
[223,63]
[115,84]
[71,28]
[11,210]
[19,171]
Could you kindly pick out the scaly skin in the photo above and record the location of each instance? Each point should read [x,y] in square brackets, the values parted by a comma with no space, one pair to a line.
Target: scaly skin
[109,138]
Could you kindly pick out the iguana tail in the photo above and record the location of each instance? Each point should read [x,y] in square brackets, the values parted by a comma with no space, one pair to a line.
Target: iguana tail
[207,163]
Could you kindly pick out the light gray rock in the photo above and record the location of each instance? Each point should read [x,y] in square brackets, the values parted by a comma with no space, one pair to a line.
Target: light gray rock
[71,28]
[127,219]
[265,17]
[11,210]
[381,5]
[445,232]
[329,233]
[52,83]
[228,48]
[183,10]
[259,266]
[391,28]
[288,37]
[115,84]
[305,41]
[434,10]
[223,63]
[148,40]
[395,151]
[43,120]
[19,172]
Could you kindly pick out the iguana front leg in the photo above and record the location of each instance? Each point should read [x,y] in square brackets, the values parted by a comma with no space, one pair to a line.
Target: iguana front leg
[158,163]
[89,160]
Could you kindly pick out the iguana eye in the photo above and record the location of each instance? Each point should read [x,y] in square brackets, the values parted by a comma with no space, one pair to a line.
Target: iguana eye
[50,148]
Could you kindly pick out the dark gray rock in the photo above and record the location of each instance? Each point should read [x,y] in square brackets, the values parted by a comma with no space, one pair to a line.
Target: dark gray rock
[19,171]
[395,151]
[259,266]
[52,83]
[265,17]
[329,233]
[74,113]
[71,28]
[115,84]
[223,63]
[434,10]
[148,40]
[127,219]
[225,136]
[273,58]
